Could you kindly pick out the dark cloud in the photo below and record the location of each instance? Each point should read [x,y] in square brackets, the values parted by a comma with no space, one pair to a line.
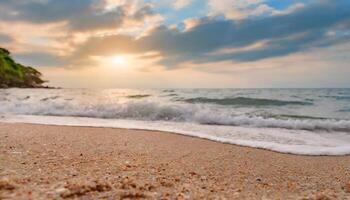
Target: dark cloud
[299,31]
[5,38]
[81,15]
[143,12]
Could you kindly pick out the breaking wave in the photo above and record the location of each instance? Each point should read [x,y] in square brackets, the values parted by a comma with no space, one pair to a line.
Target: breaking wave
[244,101]
[155,111]
[139,96]
[311,122]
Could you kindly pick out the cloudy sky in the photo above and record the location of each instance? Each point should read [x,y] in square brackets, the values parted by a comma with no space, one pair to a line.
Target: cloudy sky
[181,43]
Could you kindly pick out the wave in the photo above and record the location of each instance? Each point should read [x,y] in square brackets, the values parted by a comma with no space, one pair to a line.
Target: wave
[168,91]
[139,96]
[244,101]
[344,110]
[5,99]
[328,125]
[341,98]
[25,98]
[318,129]
[172,95]
[156,111]
[298,117]
[50,98]
[280,140]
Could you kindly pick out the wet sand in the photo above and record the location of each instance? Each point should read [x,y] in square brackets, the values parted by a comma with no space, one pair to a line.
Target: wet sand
[60,162]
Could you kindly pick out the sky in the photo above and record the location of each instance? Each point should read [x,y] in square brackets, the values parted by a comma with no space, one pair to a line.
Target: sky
[181,43]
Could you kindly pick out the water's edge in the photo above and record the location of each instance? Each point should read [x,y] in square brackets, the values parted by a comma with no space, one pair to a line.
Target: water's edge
[304,122]
[301,150]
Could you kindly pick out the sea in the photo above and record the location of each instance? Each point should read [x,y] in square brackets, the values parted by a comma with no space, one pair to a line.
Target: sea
[295,121]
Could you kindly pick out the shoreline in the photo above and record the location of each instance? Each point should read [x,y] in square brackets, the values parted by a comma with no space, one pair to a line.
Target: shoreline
[175,133]
[51,161]
[334,148]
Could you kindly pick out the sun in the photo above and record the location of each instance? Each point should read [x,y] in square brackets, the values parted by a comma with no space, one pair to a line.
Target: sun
[119,60]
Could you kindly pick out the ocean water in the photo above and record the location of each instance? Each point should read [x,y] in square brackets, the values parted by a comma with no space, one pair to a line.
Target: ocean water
[297,121]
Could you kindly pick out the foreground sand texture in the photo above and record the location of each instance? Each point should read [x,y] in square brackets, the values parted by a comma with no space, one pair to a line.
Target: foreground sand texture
[58,162]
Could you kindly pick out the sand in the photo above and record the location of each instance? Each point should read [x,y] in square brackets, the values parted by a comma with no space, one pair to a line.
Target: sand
[60,162]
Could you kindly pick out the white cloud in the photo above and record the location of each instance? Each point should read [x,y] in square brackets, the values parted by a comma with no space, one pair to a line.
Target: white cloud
[179,4]
[238,9]
[191,22]
[290,9]
[133,4]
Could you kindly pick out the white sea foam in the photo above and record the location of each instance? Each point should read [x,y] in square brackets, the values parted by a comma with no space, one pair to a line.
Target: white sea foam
[270,119]
[281,140]
[153,111]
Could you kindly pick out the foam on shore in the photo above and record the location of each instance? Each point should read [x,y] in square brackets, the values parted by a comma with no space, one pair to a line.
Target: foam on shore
[301,142]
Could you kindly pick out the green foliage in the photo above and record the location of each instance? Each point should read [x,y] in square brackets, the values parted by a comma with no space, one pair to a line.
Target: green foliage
[13,74]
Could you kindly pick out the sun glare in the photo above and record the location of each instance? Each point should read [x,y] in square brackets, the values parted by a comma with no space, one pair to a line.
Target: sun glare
[119,60]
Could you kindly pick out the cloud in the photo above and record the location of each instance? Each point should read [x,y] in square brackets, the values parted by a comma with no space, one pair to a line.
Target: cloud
[179,4]
[80,15]
[57,27]
[5,38]
[328,66]
[238,9]
[40,59]
[174,5]
[241,9]
[292,8]
[135,30]
[285,34]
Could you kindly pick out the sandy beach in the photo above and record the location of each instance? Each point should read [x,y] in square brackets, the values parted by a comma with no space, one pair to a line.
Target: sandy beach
[60,162]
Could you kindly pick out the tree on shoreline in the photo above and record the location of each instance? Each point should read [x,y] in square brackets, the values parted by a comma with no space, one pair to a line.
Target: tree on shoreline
[13,74]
